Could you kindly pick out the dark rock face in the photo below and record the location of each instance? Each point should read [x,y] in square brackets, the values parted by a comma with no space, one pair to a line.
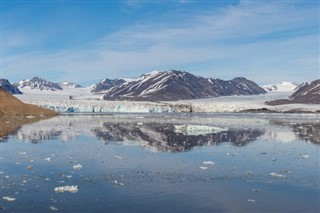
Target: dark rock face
[106,84]
[40,84]
[308,90]
[12,89]
[179,85]
[305,94]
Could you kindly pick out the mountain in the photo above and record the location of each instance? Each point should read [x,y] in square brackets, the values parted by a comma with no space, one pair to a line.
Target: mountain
[179,85]
[284,86]
[307,93]
[70,85]
[5,84]
[10,105]
[107,84]
[39,84]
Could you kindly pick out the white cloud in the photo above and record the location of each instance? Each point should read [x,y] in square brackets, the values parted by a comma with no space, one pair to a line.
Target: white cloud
[254,37]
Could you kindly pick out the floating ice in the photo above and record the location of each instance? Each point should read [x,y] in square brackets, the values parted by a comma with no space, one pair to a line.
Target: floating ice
[67,188]
[208,162]
[204,167]
[77,167]
[273,174]
[251,200]
[304,156]
[190,129]
[47,159]
[10,199]
[118,157]
[53,208]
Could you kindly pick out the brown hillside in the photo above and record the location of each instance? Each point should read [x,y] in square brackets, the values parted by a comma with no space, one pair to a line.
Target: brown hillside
[10,105]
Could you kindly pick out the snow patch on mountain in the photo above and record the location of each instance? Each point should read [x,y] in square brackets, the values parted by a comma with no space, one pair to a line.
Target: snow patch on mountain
[283,86]
[69,85]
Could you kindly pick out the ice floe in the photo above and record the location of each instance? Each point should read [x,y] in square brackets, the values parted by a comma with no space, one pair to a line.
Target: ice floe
[67,188]
[208,162]
[10,199]
[77,167]
[273,174]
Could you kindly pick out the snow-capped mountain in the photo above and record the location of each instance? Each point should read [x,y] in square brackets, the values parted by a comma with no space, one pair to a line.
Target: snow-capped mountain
[306,93]
[180,85]
[284,86]
[39,84]
[7,86]
[70,85]
[106,84]
[310,93]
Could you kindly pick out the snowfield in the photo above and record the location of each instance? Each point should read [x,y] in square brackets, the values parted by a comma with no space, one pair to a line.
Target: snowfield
[81,100]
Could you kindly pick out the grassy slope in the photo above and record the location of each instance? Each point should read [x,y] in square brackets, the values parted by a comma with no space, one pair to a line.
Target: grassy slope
[10,105]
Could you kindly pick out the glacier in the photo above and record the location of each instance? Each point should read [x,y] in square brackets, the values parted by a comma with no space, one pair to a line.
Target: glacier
[83,101]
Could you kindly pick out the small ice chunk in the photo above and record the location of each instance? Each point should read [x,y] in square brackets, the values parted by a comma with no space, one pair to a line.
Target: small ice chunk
[10,199]
[53,208]
[67,188]
[251,200]
[118,157]
[204,167]
[208,162]
[273,174]
[22,153]
[77,167]
[304,156]
[47,159]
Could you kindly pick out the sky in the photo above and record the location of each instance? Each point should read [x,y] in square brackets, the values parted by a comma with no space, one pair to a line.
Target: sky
[86,41]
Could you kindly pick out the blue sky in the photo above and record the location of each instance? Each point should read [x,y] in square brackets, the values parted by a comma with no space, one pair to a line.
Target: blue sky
[86,41]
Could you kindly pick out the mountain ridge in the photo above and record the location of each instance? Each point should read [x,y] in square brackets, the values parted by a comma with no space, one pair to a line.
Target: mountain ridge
[175,85]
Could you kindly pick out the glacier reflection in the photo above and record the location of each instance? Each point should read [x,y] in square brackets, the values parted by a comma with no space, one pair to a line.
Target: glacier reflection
[173,133]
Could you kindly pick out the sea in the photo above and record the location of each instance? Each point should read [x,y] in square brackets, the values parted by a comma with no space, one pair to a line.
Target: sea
[226,162]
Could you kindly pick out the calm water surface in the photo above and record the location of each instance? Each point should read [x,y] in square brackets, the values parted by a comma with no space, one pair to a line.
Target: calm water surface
[163,163]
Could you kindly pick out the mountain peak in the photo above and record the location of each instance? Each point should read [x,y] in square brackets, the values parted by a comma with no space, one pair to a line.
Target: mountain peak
[175,85]
[39,84]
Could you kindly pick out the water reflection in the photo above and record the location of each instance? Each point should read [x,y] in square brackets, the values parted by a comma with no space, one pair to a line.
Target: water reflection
[10,123]
[304,131]
[172,133]
[165,137]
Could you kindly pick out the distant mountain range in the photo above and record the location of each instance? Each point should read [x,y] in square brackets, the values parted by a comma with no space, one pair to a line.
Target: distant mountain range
[39,84]
[179,85]
[170,85]
[307,93]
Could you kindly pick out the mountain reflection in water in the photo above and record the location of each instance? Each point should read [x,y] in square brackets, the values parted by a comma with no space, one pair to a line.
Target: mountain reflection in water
[163,137]
[174,133]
